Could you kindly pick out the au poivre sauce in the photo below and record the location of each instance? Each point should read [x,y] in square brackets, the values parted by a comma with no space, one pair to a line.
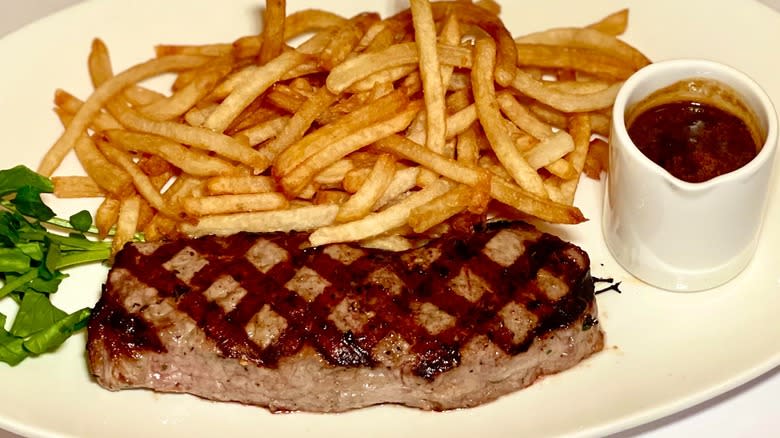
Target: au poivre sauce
[693,141]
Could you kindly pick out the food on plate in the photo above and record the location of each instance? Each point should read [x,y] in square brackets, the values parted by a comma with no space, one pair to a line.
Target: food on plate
[264,319]
[314,214]
[346,127]
[696,129]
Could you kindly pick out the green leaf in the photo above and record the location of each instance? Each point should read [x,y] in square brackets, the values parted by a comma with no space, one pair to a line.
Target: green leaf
[81,221]
[11,180]
[54,335]
[82,257]
[31,259]
[15,283]
[14,260]
[69,243]
[36,313]
[34,250]
[47,286]
[9,229]
[52,258]
[11,347]
[28,201]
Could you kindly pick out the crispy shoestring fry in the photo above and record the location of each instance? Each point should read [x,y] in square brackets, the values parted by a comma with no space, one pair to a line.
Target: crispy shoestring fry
[98,99]
[355,129]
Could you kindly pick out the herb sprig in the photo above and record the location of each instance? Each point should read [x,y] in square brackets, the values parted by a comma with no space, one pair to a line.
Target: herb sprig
[32,260]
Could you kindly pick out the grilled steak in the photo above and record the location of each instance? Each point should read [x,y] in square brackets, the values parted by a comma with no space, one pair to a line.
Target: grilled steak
[261,319]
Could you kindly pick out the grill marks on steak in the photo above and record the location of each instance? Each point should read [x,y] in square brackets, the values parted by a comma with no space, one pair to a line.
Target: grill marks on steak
[266,303]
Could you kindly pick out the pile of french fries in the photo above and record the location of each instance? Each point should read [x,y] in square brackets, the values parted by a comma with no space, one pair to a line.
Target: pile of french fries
[371,130]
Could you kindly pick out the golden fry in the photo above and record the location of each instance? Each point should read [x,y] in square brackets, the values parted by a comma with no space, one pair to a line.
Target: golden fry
[127,222]
[76,187]
[296,180]
[370,191]
[221,204]
[106,174]
[377,223]
[430,72]
[493,123]
[369,130]
[223,185]
[273,30]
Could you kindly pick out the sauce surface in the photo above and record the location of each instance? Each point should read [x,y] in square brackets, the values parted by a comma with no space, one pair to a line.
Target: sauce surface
[695,142]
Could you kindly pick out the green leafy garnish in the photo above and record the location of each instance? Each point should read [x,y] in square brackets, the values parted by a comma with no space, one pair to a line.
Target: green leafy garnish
[81,221]
[32,258]
[11,180]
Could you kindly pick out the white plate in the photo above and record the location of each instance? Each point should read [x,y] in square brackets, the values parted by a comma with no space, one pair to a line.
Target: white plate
[664,352]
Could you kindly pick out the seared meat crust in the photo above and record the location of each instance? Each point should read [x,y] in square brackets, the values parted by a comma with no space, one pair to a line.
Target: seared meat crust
[263,320]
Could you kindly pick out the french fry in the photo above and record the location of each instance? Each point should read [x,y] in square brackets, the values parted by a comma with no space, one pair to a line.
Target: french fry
[310,20]
[200,138]
[76,187]
[299,123]
[221,204]
[597,160]
[334,174]
[430,72]
[370,191]
[141,181]
[263,131]
[273,30]
[388,242]
[371,130]
[162,226]
[304,218]
[106,175]
[346,39]
[467,147]
[336,197]
[386,76]
[440,209]
[403,181]
[549,150]
[460,121]
[224,185]
[451,35]
[589,39]
[296,180]
[97,100]
[127,222]
[314,142]
[492,121]
[505,192]
[523,117]
[106,216]
[362,66]
[354,179]
[190,161]
[571,103]
[580,132]
[249,88]
[500,189]
[377,223]
[216,50]
[438,164]
[591,61]
[506,62]
[182,100]
[71,104]
[613,24]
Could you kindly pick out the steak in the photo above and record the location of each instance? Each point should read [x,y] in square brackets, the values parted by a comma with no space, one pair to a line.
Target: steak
[264,319]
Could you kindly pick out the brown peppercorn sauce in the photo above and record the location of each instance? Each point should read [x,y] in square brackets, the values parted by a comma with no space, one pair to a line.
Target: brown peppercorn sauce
[693,141]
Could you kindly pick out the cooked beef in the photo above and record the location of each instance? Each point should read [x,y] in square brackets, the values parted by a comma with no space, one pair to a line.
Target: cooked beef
[263,319]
